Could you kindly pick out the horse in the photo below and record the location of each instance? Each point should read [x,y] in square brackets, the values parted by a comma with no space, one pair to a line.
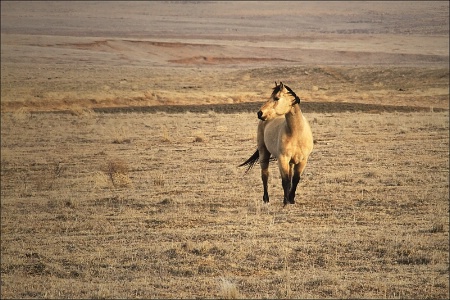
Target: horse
[284,134]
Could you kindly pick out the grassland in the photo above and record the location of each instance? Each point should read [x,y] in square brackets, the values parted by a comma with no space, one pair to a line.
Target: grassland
[122,125]
[144,205]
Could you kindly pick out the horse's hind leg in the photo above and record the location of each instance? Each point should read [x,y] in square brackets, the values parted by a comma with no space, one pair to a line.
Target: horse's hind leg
[264,162]
[265,179]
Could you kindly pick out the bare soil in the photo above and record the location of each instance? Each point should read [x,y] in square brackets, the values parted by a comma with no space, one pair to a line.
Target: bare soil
[122,125]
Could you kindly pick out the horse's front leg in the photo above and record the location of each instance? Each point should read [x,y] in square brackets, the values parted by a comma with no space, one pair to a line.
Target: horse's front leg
[285,172]
[298,170]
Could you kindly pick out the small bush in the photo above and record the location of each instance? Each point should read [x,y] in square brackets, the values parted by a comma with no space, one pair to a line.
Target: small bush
[228,290]
[117,171]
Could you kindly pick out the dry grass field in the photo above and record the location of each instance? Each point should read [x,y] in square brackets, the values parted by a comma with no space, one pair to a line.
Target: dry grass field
[123,123]
[153,206]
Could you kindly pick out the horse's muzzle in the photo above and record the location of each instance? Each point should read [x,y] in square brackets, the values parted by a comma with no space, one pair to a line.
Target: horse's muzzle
[260,115]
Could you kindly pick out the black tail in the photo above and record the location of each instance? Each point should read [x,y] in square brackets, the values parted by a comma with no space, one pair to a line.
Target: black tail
[251,161]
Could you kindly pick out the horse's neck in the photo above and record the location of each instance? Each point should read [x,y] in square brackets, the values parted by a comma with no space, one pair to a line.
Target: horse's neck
[294,119]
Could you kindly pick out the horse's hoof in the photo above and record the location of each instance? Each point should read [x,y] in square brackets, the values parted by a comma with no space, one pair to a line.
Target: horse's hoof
[286,202]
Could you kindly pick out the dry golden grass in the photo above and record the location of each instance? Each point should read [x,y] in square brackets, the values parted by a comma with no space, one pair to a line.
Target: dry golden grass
[153,206]
[144,205]
[411,86]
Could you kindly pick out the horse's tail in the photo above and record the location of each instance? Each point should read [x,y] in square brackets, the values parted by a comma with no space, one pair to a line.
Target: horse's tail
[251,161]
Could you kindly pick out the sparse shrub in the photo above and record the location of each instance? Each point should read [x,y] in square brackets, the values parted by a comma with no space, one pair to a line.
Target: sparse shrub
[413,259]
[116,166]
[47,179]
[121,180]
[166,136]
[437,227]
[403,130]
[172,253]
[21,115]
[159,180]
[410,256]
[228,289]
[221,128]
[371,174]
[121,141]
[101,179]
[198,139]
[188,246]
[80,111]
[166,201]
[117,171]
[119,136]
[150,95]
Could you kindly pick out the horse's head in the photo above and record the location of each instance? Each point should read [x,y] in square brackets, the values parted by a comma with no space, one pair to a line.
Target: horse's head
[280,102]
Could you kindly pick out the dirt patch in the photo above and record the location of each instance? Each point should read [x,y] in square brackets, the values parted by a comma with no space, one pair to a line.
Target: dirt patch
[224,60]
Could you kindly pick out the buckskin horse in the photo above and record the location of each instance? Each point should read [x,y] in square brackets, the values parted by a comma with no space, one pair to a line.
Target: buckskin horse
[284,135]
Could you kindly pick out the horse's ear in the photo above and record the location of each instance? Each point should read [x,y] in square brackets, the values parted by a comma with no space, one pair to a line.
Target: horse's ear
[276,84]
[281,86]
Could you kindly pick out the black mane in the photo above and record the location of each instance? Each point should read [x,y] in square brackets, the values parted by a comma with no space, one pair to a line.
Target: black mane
[276,90]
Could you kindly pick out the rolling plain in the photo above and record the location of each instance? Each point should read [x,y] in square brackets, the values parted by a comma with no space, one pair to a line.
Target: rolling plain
[123,123]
